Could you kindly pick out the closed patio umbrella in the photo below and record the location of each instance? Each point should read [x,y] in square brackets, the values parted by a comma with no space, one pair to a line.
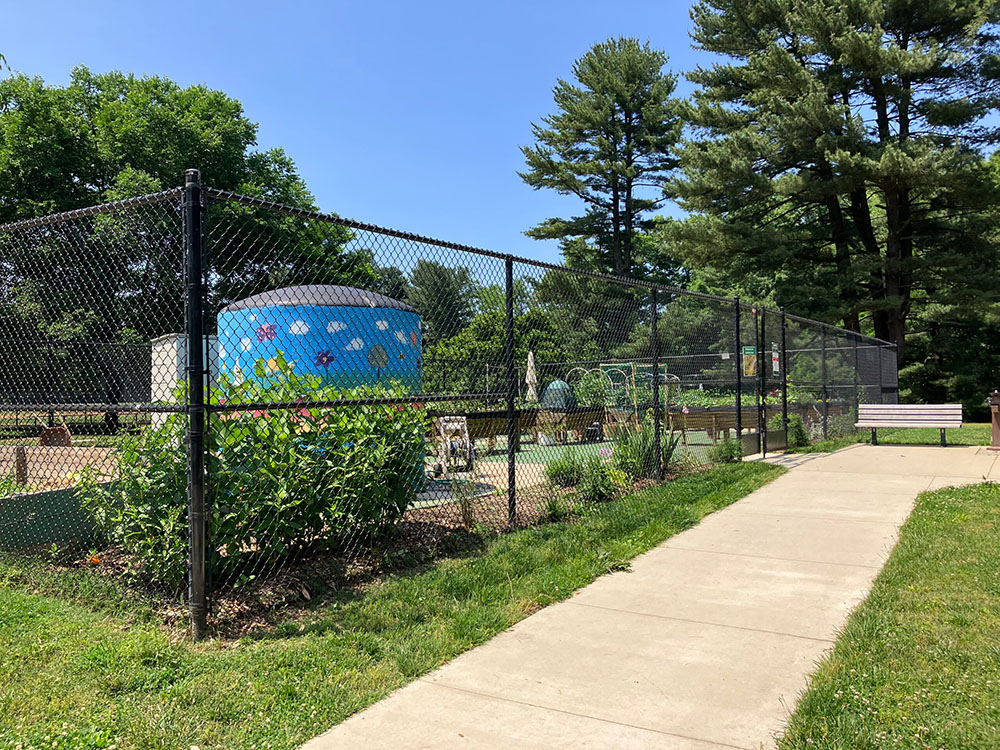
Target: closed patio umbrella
[531,379]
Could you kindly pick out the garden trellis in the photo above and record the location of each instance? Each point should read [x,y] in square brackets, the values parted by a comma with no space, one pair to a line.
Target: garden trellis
[214,398]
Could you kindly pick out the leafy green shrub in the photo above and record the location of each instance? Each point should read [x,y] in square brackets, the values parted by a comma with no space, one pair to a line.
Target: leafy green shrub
[565,470]
[596,484]
[279,479]
[728,451]
[556,508]
[798,436]
[708,398]
[635,450]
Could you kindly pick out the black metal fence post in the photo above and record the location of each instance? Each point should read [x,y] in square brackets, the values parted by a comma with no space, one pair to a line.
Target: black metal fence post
[654,345]
[762,373]
[739,374]
[195,406]
[512,430]
[857,397]
[784,375]
[50,366]
[824,393]
[881,386]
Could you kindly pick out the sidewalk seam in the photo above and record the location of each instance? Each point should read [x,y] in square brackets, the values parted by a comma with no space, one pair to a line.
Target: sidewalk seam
[828,641]
[481,694]
[734,511]
[769,557]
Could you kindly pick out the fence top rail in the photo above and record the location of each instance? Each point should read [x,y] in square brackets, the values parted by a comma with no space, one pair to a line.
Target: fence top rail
[246,200]
[101,208]
[820,324]
[227,195]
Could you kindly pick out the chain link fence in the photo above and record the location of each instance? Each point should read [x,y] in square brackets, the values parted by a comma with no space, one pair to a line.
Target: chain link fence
[227,405]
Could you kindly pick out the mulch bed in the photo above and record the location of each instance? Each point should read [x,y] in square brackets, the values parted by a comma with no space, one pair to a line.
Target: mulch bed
[295,590]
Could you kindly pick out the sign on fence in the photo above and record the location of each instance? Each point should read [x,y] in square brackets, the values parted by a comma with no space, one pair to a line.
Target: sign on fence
[775,359]
[749,361]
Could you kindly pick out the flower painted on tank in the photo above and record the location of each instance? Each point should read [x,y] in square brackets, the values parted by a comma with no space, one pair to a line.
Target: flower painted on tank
[272,365]
[266,332]
[324,358]
[414,340]
[420,363]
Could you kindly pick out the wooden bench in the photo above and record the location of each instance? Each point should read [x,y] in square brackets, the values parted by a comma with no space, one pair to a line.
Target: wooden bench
[941,416]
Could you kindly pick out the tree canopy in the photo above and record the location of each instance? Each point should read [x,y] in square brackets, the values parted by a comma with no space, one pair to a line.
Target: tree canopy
[611,144]
[837,150]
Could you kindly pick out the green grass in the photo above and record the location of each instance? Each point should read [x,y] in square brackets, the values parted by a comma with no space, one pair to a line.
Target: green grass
[918,665]
[967,434]
[71,678]
[540,454]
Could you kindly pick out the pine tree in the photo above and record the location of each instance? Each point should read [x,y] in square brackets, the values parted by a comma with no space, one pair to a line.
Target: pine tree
[838,149]
[610,144]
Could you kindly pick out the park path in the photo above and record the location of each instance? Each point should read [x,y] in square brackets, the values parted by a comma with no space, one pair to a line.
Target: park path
[705,643]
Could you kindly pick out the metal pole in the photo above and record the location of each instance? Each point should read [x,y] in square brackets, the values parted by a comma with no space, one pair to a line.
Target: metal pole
[50,366]
[654,345]
[857,399]
[784,375]
[739,374]
[195,407]
[762,398]
[826,401]
[512,435]
[881,391]
[756,381]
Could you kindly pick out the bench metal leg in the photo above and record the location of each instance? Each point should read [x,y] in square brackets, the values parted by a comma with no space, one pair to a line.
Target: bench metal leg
[943,443]
[874,436]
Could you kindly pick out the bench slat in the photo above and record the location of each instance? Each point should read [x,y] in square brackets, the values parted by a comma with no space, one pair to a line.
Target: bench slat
[912,420]
[941,416]
[904,425]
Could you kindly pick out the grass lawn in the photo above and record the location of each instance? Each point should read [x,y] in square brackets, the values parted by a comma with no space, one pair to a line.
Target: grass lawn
[918,665]
[967,434]
[73,678]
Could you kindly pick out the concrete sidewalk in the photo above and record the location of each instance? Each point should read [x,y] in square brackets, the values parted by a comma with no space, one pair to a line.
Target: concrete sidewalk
[705,643]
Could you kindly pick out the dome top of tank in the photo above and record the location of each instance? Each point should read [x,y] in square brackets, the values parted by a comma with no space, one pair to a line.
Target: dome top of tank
[318,295]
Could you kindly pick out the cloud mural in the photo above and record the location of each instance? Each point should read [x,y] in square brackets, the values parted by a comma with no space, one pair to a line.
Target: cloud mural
[347,337]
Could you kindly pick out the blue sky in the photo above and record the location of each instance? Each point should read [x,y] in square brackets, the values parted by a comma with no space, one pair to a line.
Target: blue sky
[403,114]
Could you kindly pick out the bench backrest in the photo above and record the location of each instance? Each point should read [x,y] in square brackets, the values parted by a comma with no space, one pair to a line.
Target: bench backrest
[948,416]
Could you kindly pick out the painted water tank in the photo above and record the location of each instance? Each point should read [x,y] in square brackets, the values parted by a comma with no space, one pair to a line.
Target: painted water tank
[347,336]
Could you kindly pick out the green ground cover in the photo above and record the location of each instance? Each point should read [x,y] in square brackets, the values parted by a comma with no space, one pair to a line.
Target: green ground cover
[918,665]
[532,453]
[105,676]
